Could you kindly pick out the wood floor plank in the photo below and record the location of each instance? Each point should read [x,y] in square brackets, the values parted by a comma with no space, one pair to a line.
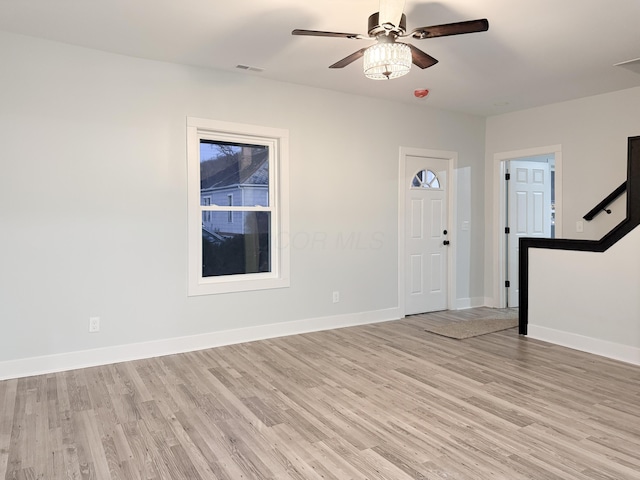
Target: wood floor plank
[7,415]
[386,401]
[299,455]
[210,443]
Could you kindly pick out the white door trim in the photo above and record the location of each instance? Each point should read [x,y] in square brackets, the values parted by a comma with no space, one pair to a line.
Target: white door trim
[499,207]
[452,158]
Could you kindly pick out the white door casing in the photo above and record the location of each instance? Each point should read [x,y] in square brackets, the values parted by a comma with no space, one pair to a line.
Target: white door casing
[529,213]
[425,261]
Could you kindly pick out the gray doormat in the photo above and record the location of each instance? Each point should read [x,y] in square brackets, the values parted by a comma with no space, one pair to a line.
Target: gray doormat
[473,328]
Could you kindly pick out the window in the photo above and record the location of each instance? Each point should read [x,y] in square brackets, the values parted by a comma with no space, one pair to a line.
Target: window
[425,179]
[238,207]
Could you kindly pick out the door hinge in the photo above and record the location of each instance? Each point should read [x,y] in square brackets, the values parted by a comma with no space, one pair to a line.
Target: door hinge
[507,176]
[507,283]
[507,230]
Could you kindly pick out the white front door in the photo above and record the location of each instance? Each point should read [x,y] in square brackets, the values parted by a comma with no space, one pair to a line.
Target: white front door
[425,234]
[529,213]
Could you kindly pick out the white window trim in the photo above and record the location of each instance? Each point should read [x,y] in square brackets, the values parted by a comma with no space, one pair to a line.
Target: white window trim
[278,142]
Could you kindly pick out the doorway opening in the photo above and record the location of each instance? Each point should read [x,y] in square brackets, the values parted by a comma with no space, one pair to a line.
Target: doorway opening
[527,204]
[530,211]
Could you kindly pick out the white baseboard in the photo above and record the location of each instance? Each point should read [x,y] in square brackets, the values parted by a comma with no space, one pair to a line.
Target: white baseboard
[466,303]
[26,367]
[490,302]
[463,303]
[615,351]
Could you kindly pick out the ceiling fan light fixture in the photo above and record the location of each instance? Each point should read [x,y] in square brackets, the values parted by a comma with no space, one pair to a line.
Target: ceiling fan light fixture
[384,61]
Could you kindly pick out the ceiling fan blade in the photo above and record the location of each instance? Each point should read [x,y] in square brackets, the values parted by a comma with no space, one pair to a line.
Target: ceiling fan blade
[318,33]
[391,12]
[350,59]
[457,28]
[421,59]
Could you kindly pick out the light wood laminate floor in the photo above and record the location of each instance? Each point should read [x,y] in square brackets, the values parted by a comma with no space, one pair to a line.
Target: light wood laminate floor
[384,401]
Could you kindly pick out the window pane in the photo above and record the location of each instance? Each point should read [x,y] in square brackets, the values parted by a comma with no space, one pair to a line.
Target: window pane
[236,247]
[425,179]
[234,174]
[417,181]
[430,176]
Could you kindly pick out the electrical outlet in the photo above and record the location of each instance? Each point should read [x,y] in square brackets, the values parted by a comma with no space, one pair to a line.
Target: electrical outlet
[579,226]
[336,297]
[94,324]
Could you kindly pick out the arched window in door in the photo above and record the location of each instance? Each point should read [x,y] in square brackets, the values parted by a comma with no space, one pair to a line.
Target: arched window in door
[425,179]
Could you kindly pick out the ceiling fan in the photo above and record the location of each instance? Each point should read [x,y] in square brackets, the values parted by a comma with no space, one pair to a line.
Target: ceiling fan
[388,58]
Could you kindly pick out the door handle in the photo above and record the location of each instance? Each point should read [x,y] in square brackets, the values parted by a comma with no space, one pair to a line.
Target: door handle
[446,242]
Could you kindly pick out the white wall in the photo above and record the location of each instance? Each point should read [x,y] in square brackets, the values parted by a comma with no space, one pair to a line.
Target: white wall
[592,133]
[93,201]
[588,300]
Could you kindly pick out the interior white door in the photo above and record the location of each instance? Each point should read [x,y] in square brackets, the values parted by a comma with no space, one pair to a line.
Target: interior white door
[426,243]
[529,213]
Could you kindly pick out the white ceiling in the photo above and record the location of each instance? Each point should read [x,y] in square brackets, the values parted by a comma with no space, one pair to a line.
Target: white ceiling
[535,52]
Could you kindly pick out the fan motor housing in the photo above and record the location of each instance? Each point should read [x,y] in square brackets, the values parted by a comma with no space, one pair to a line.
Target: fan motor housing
[375,28]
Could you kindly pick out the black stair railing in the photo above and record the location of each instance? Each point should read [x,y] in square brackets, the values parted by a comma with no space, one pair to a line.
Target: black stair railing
[602,206]
[632,220]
